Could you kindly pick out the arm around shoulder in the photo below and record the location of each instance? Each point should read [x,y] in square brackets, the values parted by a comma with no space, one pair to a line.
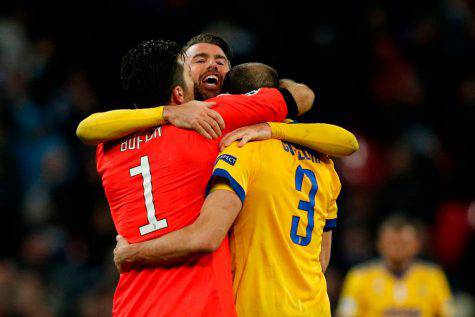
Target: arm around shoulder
[110,125]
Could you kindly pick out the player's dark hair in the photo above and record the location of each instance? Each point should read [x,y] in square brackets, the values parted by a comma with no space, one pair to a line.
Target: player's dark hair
[211,39]
[246,77]
[400,221]
[151,70]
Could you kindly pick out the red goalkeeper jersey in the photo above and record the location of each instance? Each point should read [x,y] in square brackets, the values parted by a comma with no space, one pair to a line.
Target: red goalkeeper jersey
[155,183]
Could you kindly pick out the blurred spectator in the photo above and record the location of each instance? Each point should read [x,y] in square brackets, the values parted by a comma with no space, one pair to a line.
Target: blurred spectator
[395,80]
[397,284]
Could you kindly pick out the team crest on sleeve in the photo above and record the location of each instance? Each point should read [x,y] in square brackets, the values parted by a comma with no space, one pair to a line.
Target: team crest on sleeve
[231,160]
[252,92]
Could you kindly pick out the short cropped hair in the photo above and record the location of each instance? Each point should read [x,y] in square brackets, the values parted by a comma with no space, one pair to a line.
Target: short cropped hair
[400,221]
[210,38]
[151,70]
[246,77]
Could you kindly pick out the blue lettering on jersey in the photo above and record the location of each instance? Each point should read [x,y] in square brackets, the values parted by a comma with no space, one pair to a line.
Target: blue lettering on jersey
[231,160]
[288,148]
[302,153]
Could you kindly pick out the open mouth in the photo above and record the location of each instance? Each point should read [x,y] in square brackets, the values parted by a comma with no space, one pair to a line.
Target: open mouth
[211,81]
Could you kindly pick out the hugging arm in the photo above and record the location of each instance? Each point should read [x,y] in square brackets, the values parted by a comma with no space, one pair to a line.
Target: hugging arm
[115,124]
[324,138]
[302,94]
[205,235]
[196,115]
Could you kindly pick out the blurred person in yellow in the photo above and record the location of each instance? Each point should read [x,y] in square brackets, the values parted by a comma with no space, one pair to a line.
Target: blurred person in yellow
[398,284]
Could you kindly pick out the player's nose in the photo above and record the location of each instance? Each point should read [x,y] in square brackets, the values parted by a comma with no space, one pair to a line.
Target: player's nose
[213,65]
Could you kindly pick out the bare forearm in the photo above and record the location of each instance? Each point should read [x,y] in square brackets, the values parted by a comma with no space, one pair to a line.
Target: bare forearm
[325,253]
[175,247]
[303,95]
[203,236]
[324,261]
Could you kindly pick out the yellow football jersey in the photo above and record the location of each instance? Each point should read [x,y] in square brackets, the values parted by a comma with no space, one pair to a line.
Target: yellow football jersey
[372,290]
[289,196]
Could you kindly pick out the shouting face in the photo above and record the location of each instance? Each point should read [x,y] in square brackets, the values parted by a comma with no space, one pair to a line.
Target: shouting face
[208,65]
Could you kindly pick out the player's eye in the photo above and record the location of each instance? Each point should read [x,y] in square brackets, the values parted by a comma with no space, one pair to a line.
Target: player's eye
[200,61]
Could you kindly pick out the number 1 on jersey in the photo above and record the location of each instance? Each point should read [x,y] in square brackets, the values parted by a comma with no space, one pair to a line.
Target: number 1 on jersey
[153,224]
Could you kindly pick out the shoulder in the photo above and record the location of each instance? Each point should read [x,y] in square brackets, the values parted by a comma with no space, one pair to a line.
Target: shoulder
[235,148]
[361,274]
[327,163]
[253,153]
[227,99]
[367,267]
[170,131]
[251,147]
[428,267]
[257,92]
[237,156]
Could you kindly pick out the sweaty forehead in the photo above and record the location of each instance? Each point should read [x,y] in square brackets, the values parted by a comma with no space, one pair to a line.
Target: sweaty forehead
[204,49]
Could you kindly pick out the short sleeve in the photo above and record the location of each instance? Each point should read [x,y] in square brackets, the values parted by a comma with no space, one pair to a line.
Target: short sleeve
[221,186]
[332,209]
[349,304]
[235,166]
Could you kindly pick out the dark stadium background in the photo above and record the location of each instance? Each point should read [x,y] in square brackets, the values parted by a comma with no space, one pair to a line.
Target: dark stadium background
[400,74]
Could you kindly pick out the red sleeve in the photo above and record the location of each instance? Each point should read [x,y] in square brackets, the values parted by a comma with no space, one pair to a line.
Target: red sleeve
[263,105]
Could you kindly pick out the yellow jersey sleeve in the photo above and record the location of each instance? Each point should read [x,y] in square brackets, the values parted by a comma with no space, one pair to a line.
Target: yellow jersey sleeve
[443,305]
[350,304]
[324,138]
[110,125]
[235,166]
[221,186]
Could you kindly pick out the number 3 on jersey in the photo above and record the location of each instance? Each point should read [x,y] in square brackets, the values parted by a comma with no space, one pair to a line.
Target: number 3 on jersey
[153,224]
[307,206]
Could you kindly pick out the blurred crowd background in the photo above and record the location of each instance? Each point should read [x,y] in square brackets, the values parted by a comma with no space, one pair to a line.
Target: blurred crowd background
[400,74]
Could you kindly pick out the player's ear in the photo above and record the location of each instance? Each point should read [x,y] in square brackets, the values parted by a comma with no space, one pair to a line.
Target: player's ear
[178,95]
